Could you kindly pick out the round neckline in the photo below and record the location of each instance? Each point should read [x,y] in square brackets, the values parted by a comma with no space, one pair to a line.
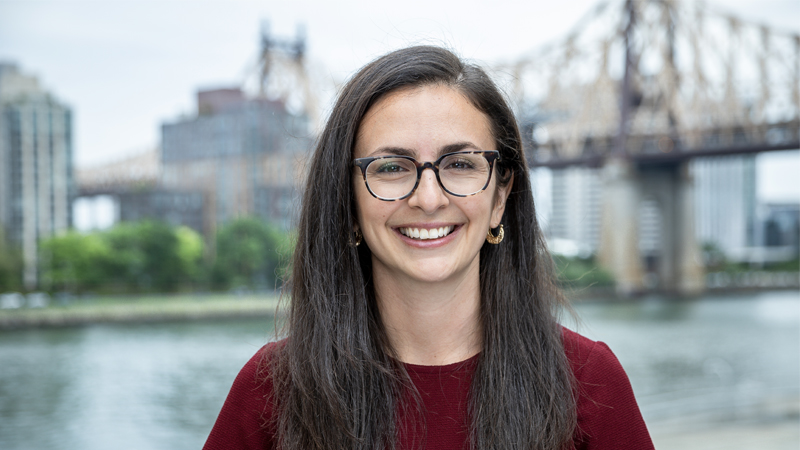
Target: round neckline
[452,367]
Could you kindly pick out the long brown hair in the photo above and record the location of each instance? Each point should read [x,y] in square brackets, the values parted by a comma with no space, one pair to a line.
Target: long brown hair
[337,385]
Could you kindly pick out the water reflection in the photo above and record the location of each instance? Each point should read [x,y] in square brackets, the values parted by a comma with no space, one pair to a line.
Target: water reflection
[36,377]
[691,362]
[127,387]
[715,359]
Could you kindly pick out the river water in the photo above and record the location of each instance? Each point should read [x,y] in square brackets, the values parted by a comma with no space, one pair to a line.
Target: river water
[692,363]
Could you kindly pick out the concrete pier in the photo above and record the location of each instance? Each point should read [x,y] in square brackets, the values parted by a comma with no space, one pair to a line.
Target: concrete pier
[671,260]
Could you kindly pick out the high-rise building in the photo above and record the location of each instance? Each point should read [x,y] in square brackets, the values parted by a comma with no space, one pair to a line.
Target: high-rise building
[36,180]
[576,208]
[725,202]
[245,155]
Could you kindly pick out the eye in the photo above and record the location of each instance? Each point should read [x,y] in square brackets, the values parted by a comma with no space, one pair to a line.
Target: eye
[458,163]
[389,166]
[390,169]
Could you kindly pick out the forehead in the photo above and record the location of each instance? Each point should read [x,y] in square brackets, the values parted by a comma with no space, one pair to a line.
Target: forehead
[422,121]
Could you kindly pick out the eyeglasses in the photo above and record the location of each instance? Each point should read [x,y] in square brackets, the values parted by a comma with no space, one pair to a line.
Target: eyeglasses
[395,177]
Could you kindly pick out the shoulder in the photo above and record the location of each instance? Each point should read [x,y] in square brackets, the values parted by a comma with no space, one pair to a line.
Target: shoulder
[590,358]
[254,379]
[246,418]
[608,415]
[594,365]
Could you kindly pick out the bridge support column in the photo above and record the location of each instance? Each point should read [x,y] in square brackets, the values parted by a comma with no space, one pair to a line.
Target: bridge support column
[677,262]
[674,260]
[691,273]
[619,246]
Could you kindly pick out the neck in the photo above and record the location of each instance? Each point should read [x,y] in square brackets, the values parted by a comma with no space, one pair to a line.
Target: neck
[431,324]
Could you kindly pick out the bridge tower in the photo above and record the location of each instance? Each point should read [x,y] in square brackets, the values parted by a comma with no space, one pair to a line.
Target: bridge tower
[674,260]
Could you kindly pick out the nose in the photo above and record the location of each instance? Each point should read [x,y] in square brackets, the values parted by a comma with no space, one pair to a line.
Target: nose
[429,195]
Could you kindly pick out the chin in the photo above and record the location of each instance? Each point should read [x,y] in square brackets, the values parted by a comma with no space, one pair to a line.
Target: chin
[436,273]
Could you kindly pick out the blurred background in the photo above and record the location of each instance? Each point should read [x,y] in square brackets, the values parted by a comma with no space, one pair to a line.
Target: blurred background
[152,159]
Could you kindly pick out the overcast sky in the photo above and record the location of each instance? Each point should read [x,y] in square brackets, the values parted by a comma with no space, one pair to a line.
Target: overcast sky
[126,66]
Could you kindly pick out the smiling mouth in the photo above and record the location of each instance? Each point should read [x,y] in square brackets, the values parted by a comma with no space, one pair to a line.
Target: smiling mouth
[423,233]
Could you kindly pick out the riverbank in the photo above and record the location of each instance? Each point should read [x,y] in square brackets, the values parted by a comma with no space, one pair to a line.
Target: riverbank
[185,307]
[156,308]
[608,293]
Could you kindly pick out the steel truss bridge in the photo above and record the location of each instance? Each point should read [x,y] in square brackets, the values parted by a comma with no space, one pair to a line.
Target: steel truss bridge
[637,89]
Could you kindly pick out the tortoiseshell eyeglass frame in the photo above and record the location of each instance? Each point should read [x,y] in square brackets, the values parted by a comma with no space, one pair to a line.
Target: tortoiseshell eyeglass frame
[490,155]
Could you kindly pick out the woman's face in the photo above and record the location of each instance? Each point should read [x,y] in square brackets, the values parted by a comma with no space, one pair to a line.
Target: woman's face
[426,122]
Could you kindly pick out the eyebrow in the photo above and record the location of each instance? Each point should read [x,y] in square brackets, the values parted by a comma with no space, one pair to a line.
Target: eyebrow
[401,151]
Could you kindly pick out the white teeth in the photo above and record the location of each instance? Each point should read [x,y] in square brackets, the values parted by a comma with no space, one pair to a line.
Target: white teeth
[433,233]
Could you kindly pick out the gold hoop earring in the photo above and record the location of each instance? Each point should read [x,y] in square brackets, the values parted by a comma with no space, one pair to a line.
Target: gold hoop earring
[357,237]
[495,239]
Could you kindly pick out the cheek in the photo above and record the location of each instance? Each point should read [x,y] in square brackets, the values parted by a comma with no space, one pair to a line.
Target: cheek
[479,213]
[370,212]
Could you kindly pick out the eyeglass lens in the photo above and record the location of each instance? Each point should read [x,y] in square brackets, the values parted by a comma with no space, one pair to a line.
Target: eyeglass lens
[460,174]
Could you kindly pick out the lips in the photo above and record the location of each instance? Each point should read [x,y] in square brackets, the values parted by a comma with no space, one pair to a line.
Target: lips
[426,233]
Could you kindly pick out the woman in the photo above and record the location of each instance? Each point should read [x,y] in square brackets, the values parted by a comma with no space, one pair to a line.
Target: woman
[423,298]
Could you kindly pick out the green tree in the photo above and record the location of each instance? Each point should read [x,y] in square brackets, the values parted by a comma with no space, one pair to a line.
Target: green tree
[75,262]
[130,257]
[249,253]
[190,252]
[145,256]
[127,266]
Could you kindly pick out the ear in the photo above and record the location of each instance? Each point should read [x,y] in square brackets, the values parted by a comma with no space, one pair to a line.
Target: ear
[500,202]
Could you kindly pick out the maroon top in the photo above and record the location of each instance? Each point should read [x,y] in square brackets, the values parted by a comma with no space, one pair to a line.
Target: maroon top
[608,416]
